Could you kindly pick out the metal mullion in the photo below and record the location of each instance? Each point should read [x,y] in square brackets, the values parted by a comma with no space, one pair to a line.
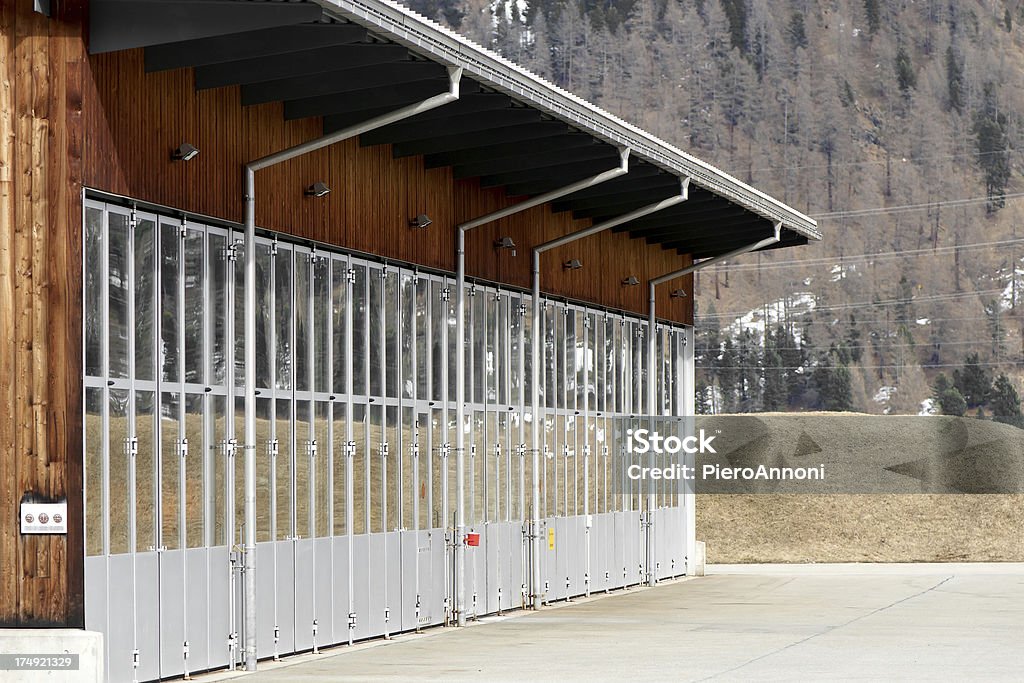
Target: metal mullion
[383,331]
[181,406]
[521,436]
[367,414]
[311,379]
[292,416]
[414,378]
[105,370]
[349,442]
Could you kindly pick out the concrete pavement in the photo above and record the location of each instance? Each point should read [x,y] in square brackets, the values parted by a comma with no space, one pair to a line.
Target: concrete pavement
[745,622]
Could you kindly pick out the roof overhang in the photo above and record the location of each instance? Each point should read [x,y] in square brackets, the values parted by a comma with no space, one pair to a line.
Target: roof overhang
[349,60]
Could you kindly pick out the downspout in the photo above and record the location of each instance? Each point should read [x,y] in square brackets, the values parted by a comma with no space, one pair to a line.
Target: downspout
[535,342]
[651,321]
[454,76]
[460,362]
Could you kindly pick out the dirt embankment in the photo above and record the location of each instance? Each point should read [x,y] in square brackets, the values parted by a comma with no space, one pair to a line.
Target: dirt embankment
[902,526]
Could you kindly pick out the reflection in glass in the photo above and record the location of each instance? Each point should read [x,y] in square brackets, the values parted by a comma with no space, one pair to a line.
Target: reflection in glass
[92,294]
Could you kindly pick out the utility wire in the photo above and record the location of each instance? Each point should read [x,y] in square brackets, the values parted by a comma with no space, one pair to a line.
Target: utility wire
[856,304]
[842,259]
[906,208]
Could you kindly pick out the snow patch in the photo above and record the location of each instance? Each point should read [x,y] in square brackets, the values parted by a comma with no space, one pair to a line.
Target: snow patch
[923,321]
[773,314]
[883,394]
[928,407]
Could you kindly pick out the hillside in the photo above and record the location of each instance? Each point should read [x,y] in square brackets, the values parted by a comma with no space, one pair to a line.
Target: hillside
[898,125]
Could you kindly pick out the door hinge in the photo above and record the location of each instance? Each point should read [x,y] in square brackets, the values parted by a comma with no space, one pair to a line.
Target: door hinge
[446,449]
[183,228]
[383,450]
[131,446]
[350,275]
[446,294]
[230,445]
[183,448]
[415,450]
[350,449]
[273,247]
[272,448]
[133,218]
[232,250]
[311,448]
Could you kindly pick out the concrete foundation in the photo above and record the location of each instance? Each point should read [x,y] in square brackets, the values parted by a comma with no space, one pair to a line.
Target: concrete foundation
[28,655]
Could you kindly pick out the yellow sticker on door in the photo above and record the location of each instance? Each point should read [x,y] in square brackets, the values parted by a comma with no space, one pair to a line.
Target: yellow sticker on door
[551,539]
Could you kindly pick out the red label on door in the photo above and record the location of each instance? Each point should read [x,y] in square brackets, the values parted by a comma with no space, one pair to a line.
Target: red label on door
[472,539]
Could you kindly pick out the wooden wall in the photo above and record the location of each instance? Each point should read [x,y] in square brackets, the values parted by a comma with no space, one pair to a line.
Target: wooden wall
[41,69]
[133,120]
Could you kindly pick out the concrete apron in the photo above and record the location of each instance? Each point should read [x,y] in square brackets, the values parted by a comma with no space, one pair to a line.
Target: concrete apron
[28,655]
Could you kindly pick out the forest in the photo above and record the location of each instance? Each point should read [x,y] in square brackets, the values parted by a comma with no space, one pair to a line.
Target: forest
[897,125]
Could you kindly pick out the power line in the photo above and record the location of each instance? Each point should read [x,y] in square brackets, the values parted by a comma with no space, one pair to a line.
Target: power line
[858,304]
[853,366]
[906,208]
[842,259]
[874,162]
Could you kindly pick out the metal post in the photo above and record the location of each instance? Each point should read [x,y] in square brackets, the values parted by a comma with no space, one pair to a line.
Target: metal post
[454,77]
[690,539]
[535,333]
[460,364]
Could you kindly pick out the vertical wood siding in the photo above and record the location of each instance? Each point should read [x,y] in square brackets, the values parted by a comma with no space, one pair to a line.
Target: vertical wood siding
[40,308]
[134,120]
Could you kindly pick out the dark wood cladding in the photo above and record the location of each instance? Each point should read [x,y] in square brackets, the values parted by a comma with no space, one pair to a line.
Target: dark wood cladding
[133,120]
[41,577]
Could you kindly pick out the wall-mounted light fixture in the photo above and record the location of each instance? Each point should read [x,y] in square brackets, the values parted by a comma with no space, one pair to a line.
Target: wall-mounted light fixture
[678,293]
[572,264]
[631,281]
[184,152]
[420,221]
[318,189]
[505,243]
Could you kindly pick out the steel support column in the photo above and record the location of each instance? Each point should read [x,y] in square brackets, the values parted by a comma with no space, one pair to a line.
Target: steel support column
[535,332]
[651,346]
[454,77]
[460,370]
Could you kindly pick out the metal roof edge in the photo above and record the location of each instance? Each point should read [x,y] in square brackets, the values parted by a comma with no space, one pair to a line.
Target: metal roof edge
[426,36]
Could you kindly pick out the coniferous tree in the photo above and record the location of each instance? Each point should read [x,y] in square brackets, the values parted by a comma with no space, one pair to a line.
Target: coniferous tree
[873,13]
[906,77]
[990,129]
[1005,402]
[955,80]
[974,381]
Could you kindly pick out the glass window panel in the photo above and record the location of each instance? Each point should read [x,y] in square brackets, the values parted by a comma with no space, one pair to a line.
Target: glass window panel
[283,310]
[195,480]
[409,339]
[303,458]
[360,472]
[504,367]
[145,474]
[192,327]
[422,314]
[302,322]
[218,426]
[95,497]
[264,479]
[567,371]
[283,470]
[515,370]
[341,464]
[550,464]
[438,469]
[169,316]
[321,325]
[376,323]
[477,471]
[120,483]
[452,341]
[410,475]
[492,471]
[264,315]
[359,323]
[527,323]
[239,479]
[481,382]
[376,461]
[489,362]
[145,299]
[170,469]
[322,462]
[422,464]
[391,332]
[550,344]
[92,295]
[117,294]
[216,257]
[581,360]
[393,470]
[339,329]
[437,324]
[239,310]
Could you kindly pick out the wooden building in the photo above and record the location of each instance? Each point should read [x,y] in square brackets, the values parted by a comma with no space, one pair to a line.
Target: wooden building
[125,131]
